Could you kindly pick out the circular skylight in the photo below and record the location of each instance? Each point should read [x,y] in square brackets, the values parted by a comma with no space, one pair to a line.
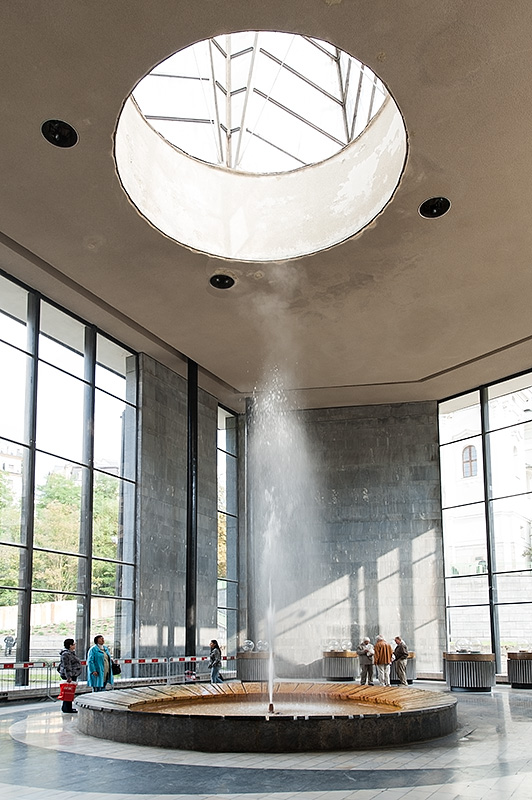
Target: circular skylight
[260,146]
[260,102]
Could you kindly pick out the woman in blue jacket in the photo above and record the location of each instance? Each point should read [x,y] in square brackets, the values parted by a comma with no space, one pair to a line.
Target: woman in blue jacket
[99,672]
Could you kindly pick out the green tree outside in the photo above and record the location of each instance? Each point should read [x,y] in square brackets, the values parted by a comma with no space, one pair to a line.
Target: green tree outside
[57,525]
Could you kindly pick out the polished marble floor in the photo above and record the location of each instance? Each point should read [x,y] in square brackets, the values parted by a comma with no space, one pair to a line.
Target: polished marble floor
[43,755]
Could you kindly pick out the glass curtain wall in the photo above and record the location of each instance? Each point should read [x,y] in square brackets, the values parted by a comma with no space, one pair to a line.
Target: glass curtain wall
[227,455]
[67,480]
[486,473]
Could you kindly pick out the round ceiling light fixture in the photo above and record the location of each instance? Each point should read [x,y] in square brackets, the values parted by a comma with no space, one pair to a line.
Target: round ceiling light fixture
[59,133]
[260,146]
[434,207]
[222,281]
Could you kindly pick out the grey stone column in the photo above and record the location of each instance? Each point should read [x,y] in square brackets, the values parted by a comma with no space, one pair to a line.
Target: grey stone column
[162,512]
[207,560]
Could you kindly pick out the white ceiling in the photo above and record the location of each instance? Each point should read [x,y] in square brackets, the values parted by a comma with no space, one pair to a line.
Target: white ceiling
[410,309]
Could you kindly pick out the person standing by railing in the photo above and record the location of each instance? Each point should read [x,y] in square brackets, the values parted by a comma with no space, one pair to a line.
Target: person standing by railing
[215,662]
[99,671]
[69,668]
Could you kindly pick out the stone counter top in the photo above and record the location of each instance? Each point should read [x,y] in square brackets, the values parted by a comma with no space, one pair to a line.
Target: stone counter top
[469,656]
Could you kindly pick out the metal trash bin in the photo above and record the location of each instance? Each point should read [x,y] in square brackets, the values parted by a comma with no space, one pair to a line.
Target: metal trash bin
[473,672]
[520,670]
[340,665]
[252,666]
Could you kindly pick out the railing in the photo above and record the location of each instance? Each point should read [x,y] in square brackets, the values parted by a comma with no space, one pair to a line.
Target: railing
[41,679]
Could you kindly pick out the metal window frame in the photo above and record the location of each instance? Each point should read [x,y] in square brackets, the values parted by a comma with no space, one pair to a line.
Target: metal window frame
[27,546]
[492,573]
[230,153]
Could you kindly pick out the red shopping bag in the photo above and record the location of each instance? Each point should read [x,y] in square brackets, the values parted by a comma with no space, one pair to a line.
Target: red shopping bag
[67,691]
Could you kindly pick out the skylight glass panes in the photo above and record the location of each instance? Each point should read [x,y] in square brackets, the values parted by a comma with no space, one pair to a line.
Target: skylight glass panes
[260,102]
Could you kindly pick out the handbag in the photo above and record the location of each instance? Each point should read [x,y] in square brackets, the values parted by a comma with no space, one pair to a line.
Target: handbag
[67,691]
[115,668]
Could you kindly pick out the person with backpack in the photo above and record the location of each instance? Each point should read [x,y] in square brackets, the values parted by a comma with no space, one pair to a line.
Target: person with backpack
[70,669]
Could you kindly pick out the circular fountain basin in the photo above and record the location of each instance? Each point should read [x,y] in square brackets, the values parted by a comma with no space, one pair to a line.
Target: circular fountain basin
[234,717]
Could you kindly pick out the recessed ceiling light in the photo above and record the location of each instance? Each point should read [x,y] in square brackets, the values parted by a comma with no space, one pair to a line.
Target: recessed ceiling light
[222,281]
[434,207]
[59,133]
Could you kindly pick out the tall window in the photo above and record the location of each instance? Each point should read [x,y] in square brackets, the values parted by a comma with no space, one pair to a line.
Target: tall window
[469,461]
[486,436]
[67,479]
[227,531]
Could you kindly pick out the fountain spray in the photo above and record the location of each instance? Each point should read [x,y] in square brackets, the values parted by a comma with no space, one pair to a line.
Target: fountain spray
[281,529]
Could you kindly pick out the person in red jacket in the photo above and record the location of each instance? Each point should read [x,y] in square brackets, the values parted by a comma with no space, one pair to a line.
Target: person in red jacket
[383,659]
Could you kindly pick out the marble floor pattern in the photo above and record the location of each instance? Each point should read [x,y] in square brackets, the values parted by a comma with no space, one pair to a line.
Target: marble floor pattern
[43,755]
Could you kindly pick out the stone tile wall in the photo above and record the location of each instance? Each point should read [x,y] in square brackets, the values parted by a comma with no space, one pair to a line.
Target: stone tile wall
[162,512]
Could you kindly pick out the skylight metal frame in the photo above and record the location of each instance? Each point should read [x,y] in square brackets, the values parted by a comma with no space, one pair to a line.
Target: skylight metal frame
[236,123]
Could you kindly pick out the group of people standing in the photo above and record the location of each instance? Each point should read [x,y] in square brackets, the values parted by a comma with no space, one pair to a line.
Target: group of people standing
[381,655]
[99,667]
[100,661]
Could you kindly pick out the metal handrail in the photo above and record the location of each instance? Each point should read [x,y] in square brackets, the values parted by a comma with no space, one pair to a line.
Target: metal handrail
[51,678]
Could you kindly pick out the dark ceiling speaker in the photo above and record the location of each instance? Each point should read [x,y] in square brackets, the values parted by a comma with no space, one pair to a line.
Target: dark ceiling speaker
[434,207]
[222,281]
[59,133]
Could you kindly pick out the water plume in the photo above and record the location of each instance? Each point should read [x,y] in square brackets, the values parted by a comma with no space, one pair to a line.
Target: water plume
[284,527]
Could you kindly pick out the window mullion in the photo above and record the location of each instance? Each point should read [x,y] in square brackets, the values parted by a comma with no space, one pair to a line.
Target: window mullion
[83,618]
[28,488]
[490,545]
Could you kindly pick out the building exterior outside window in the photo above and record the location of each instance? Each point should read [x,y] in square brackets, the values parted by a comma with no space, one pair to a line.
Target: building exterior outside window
[227,531]
[487,516]
[67,479]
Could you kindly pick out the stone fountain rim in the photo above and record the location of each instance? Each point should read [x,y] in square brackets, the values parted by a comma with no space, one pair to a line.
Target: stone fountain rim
[115,715]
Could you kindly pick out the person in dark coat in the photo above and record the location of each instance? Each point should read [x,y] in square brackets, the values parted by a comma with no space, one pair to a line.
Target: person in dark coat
[400,656]
[69,669]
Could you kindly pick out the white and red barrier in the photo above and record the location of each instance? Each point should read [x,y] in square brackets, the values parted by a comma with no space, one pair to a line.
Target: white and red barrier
[42,675]
[175,659]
